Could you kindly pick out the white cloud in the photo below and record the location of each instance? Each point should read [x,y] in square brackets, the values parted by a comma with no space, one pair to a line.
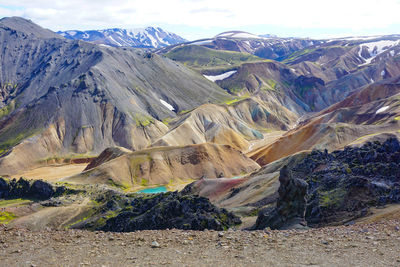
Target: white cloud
[4,12]
[89,14]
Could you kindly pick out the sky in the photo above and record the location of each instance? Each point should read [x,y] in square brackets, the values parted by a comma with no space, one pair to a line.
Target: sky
[196,19]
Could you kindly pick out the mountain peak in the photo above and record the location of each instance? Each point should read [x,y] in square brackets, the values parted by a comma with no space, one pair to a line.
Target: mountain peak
[27,26]
[148,37]
[238,34]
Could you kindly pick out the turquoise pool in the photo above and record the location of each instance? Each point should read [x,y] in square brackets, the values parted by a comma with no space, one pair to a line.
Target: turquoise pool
[154,190]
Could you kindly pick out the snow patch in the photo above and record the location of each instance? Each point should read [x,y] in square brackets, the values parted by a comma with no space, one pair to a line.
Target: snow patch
[244,35]
[201,42]
[153,41]
[113,40]
[383,73]
[359,53]
[72,33]
[137,31]
[376,48]
[250,147]
[220,77]
[356,38]
[167,105]
[382,109]
[361,38]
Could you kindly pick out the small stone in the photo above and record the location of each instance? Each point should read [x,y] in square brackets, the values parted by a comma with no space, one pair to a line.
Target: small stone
[396,228]
[220,234]
[325,242]
[155,244]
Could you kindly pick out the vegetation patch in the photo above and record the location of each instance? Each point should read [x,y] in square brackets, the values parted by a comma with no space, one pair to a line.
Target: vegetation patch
[112,183]
[184,111]
[12,141]
[297,54]
[271,85]
[167,121]
[254,213]
[7,109]
[235,100]
[10,202]
[202,58]
[6,217]
[364,136]
[142,120]
[332,198]
[144,182]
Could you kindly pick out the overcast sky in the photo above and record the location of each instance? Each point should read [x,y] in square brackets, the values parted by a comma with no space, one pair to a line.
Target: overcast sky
[194,19]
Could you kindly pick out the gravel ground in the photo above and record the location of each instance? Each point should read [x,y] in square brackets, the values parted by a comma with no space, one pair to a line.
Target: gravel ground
[376,244]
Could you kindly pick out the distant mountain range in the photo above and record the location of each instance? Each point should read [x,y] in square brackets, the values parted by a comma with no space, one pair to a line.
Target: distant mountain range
[237,105]
[150,37]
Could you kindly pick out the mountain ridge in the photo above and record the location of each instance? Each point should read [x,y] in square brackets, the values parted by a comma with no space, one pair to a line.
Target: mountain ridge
[149,37]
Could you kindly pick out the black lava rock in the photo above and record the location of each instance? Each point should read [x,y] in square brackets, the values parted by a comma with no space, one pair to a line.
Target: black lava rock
[291,204]
[22,188]
[170,210]
[341,186]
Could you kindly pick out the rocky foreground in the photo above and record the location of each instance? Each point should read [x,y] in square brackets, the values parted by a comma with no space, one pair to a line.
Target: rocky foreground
[375,244]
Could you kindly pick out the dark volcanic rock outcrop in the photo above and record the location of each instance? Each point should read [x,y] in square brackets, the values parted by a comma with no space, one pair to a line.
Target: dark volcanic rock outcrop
[170,210]
[11,189]
[341,186]
[291,204]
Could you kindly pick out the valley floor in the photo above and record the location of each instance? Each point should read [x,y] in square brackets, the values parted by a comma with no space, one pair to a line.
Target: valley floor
[53,173]
[376,244]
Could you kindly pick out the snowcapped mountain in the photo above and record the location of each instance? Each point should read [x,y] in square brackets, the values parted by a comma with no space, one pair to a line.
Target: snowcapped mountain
[150,37]
[243,35]
[238,34]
